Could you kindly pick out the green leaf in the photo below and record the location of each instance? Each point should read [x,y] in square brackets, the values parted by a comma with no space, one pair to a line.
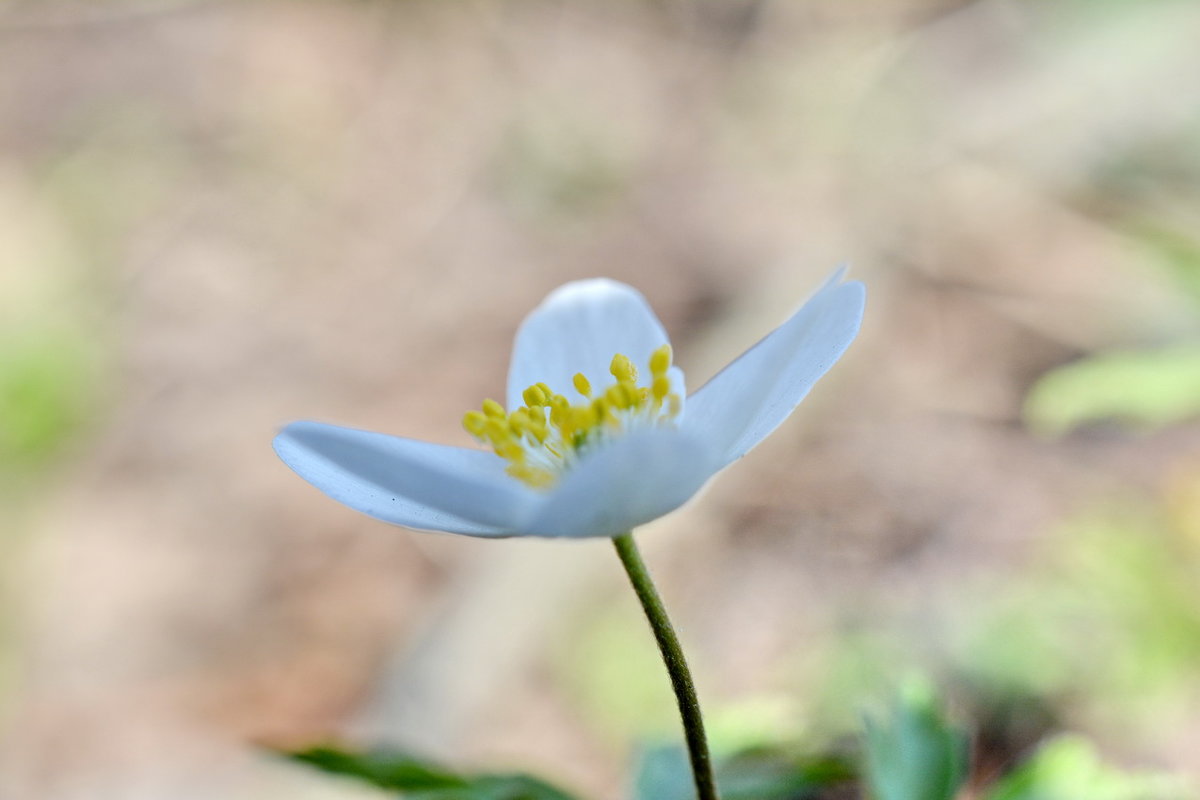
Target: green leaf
[1068,768]
[385,769]
[915,754]
[772,774]
[663,773]
[419,779]
[506,787]
[1147,389]
[761,773]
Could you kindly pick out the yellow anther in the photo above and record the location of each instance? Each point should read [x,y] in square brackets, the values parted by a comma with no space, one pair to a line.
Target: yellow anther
[614,397]
[623,369]
[660,360]
[511,451]
[534,476]
[636,394]
[532,420]
[603,410]
[660,388]
[560,413]
[547,434]
[493,409]
[497,431]
[584,417]
[621,396]
[674,404]
[474,422]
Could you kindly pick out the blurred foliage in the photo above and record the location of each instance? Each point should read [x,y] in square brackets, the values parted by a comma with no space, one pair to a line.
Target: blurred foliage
[1109,612]
[1142,388]
[611,664]
[762,773]
[422,780]
[1068,768]
[69,226]
[1177,252]
[1150,389]
[47,391]
[852,667]
[614,671]
[1105,622]
[1103,628]
[663,773]
[773,773]
[387,770]
[914,754]
[743,725]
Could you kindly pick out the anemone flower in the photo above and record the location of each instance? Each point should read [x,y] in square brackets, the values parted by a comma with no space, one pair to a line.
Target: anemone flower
[583,447]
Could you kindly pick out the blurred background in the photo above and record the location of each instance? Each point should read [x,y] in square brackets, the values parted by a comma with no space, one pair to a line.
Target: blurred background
[217,217]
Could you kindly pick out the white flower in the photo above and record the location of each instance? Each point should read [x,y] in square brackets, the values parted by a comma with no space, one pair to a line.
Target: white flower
[585,448]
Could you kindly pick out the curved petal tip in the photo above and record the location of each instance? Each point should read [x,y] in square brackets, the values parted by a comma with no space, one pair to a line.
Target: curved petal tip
[755,393]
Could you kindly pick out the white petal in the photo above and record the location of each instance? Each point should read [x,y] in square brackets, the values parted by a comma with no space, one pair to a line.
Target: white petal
[579,327]
[626,483]
[407,482]
[751,397]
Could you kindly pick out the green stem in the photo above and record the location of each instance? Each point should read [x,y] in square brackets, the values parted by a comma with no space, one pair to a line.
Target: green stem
[672,653]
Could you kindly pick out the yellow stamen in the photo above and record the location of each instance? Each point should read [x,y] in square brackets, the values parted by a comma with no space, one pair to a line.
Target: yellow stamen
[583,417]
[661,388]
[534,396]
[617,396]
[674,404]
[493,409]
[623,369]
[536,477]
[660,361]
[511,451]
[560,412]
[474,422]
[544,437]
[496,430]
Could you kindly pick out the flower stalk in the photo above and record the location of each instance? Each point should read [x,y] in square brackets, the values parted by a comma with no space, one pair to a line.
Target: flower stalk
[677,668]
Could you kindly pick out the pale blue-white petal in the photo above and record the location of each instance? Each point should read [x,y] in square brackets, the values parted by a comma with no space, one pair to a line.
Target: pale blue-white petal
[407,482]
[579,327]
[750,398]
[623,484]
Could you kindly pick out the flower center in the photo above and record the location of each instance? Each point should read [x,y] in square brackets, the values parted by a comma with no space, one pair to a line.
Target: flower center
[544,437]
